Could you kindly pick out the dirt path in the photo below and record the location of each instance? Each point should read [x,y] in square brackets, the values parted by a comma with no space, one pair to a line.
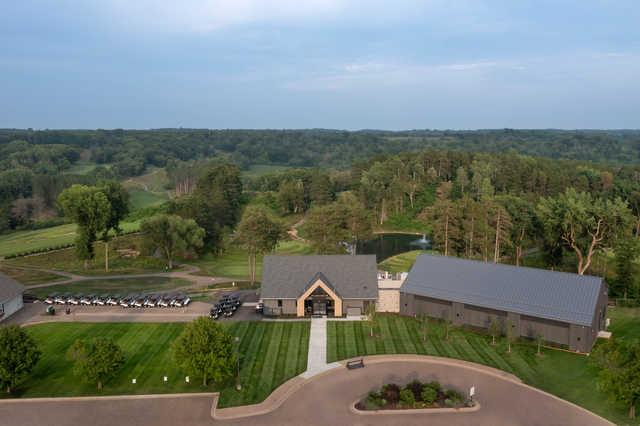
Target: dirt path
[293,231]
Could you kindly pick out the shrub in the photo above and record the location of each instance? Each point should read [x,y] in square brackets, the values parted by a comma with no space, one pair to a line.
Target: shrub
[454,395]
[449,403]
[415,387]
[391,393]
[436,386]
[429,394]
[374,401]
[406,398]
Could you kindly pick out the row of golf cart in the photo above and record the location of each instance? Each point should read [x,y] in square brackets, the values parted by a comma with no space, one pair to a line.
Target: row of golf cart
[226,306]
[129,301]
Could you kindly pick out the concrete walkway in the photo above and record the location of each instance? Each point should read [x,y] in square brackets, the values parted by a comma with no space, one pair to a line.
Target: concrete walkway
[317,355]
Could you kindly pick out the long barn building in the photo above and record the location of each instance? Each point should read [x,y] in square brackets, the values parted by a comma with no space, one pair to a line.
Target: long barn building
[565,309]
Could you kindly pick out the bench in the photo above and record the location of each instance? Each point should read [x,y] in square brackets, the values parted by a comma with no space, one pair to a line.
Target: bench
[356,363]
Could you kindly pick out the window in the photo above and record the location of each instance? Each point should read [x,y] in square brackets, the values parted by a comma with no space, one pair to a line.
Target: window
[578,339]
[279,303]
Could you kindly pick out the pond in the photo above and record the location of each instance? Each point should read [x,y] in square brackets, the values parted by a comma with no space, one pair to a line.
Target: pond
[387,245]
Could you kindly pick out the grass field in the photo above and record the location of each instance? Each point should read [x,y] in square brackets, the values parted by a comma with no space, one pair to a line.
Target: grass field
[569,376]
[141,199]
[401,262]
[65,260]
[234,263]
[119,286]
[155,180]
[22,241]
[29,277]
[271,353]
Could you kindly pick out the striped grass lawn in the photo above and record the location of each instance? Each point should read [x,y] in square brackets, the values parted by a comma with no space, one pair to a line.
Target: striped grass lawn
[567,375]
[271,353]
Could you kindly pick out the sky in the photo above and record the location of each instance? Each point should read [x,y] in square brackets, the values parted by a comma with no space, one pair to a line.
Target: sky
[359,64]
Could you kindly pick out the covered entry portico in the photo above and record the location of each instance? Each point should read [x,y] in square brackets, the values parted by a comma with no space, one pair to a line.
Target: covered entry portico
[320,298]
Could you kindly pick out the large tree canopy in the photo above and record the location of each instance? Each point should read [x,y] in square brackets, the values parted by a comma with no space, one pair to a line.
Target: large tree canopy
[18,356]
[171,235]
[584,223]
[96,360]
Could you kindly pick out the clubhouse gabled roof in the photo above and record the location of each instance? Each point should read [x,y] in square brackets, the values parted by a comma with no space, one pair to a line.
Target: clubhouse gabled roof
[9,288]
[559,296]
[351,277]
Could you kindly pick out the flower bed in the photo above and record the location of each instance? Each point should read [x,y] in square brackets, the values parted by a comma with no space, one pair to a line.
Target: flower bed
[414,395]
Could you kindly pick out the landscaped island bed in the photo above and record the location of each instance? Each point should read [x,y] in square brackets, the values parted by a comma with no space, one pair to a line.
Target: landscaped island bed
[570,376]
[415,395]
[271,353]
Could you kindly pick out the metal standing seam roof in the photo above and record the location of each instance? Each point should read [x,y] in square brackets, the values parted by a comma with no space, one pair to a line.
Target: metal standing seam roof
[9,288]
[352,277]
[539,293]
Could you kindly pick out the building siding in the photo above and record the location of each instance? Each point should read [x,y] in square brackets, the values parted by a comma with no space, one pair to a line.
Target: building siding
[11,306]
[271,307]
[575,337]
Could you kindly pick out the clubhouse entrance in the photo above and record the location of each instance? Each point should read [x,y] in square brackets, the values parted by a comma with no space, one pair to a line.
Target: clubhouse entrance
[319,299]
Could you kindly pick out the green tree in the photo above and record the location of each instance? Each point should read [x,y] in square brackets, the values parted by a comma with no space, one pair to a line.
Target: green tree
[171,235]
[620,371]
[510,334]
[522,215]
[325,227]
[205,348]
[18,356]
[118,198]
[585,223]
[259,233]
[444,218]
[96,360]
[495,329]
[89,208]
[356,219]
[424,325]
[627,251]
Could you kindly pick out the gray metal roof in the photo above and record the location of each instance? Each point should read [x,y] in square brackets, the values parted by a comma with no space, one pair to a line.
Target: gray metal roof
[540,293]
[9,288]
[352,277]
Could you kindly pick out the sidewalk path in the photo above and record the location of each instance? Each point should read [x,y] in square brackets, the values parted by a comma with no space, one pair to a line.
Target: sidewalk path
[317,355]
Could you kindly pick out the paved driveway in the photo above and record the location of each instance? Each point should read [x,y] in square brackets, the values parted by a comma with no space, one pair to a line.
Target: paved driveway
[325,400]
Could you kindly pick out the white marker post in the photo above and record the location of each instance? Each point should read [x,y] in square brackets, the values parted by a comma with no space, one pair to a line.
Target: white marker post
[134,381]
[472,392]
[186,379]
[166,379]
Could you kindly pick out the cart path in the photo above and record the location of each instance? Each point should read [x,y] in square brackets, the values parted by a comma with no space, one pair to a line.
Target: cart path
[322,400]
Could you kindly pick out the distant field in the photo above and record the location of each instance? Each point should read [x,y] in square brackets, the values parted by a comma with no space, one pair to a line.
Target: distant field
[141,199]
[271,353]
[22,241]
[65,260]
[155,180]
[119,286]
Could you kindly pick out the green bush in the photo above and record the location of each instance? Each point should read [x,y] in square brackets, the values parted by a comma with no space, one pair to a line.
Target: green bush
[406,398]
[429,394]
[391,393]
[449,403]
[436,386]
[415,387]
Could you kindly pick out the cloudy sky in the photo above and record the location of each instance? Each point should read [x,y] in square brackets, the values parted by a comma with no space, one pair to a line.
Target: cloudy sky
[401,64]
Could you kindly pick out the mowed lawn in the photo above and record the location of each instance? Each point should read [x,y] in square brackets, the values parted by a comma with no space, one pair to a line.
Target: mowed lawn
[115,286]
[234,262]
[271,353]
[567,375]
[25,241]
[401,262]
[66,260]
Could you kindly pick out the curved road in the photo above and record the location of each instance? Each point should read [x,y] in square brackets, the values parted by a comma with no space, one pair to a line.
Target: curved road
[325,400]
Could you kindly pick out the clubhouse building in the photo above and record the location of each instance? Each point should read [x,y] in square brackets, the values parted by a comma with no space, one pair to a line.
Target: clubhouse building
[332,285]
[10,296]
[564,309]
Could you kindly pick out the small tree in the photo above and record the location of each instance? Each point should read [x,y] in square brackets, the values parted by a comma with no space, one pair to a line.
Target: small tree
[18,356]
[510,333]
[494,329]
[205,348]
[171,235]
[620,373]
[424,325]
[447,327]
[372,317]
[539,341]
[96,360]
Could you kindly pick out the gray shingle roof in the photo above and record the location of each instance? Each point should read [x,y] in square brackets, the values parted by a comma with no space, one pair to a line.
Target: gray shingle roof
[9,288]
[540,293]
[352,277]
